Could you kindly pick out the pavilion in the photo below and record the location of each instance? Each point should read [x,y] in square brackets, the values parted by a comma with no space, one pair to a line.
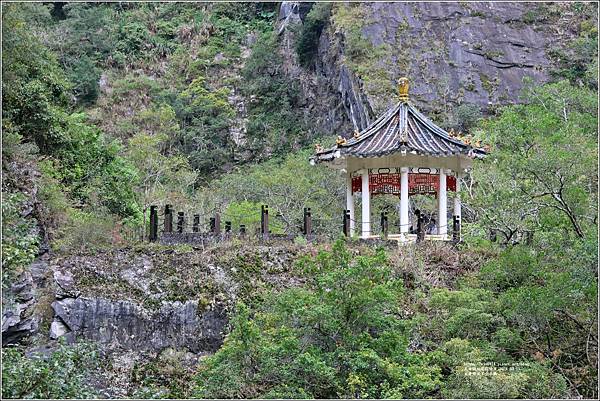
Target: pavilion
[402,153]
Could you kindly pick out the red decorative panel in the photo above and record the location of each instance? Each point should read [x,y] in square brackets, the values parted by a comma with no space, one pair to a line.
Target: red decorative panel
[423,184]
[451,183]
[388,183]
[356,184]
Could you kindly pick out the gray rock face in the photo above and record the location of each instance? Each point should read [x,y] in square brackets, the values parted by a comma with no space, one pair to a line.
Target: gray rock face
[453,53]
[476,52]
[58,329]
[292,12]
[125,325]
[18,317]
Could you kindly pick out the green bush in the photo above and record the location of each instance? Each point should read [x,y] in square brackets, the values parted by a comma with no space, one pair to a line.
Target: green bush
[336,337]
[514,267]
[86,232]
[19,237]
[62,374]
[308,40]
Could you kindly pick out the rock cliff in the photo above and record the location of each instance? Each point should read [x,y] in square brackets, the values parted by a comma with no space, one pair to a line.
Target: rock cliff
[146,299]
[475,53]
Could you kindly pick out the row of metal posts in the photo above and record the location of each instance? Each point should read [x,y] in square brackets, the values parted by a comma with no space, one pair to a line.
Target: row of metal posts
[215,224]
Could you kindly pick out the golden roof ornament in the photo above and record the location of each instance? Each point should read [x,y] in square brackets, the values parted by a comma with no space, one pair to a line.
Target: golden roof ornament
[403,89]
[340,140]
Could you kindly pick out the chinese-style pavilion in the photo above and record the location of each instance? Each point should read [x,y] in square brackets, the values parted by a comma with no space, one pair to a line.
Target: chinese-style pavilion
[401,153]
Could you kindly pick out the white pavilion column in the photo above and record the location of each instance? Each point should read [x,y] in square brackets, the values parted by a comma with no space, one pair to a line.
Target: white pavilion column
[442,205]
[404,200]
[366,205]
[350,202]
[457,208]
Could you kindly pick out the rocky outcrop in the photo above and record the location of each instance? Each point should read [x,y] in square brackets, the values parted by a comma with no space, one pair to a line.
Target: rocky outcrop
[123,324]
[20,317]
[453,53]
[154,298]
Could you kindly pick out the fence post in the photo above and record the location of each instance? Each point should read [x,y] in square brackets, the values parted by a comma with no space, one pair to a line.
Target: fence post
[307,223]
[456,229]
[212,225]
[346,223]
[168,219]
[196,224]
[217,224]
[493,235]
[227,227]
[180,222]
[153,224]
[420,226]
[264,221]
[242,230]
[384,225]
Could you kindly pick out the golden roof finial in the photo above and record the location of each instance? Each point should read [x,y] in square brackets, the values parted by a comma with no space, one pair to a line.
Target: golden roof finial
[340,140]
[403,89]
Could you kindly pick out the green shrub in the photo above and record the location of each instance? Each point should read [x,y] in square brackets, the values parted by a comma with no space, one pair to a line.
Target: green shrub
[336,337]
[308,40]
[62,374]
[85,232]
[19,237]
[514,267]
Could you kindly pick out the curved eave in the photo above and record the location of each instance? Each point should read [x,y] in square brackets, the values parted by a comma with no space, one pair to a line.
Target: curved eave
[338,152]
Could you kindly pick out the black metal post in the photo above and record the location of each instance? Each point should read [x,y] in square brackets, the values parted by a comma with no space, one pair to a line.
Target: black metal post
[196,224]
[384,224]
[242,230]
[153,224]
[307,223]
[456,229]
[168,219]
[180,222]
[420,225]
[264,221]
[346,223]
[227,227]
[212,225]
[217,224]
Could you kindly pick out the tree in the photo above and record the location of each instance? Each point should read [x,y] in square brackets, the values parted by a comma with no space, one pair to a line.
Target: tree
[163,177]
[542,173]
[205,116]
[287,186]
[338,336]
[34,87]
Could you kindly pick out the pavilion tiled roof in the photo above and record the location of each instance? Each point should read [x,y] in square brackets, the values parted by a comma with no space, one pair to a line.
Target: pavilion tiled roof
[402,129]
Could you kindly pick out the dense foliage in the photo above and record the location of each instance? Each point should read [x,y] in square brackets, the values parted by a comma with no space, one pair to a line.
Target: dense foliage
[542,174]
[353,331]
[338,336]
[63,373]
